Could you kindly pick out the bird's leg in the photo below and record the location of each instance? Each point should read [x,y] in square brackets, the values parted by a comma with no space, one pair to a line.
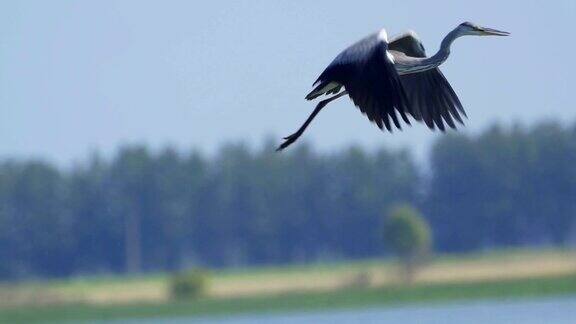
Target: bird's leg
[292,138]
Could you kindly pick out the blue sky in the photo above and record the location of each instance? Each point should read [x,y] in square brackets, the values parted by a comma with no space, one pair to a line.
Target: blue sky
[77,76]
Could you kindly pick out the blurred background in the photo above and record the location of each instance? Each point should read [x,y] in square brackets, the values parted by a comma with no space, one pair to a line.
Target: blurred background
[138,177]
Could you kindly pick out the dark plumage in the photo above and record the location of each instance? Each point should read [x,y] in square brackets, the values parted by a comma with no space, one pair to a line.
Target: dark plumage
[389,81]
[369,77]
[431,97]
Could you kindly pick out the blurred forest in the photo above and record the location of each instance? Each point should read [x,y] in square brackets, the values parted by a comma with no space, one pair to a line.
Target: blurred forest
[144,210]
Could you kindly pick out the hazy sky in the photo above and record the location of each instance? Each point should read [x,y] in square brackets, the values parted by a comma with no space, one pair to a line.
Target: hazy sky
[82,75]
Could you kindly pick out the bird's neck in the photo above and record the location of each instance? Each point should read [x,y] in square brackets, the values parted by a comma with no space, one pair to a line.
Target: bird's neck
[444,50]
[434,61]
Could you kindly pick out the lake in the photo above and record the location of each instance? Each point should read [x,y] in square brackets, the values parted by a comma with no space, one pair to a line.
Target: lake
[528,311]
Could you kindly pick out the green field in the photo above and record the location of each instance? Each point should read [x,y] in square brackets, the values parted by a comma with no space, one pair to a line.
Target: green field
[496,275]
[530,287]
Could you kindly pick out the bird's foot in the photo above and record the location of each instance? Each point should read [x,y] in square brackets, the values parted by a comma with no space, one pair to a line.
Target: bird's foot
[289,140]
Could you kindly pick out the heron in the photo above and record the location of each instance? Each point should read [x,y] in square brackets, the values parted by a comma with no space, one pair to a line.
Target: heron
[386,78]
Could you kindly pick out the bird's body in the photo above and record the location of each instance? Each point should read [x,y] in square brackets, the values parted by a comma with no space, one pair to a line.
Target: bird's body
[386,78]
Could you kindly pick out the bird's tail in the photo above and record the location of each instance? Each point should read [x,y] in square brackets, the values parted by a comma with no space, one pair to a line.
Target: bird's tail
[324,87]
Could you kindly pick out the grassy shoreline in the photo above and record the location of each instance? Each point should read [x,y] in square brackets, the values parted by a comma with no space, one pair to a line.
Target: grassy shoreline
[365,283]
[349,298]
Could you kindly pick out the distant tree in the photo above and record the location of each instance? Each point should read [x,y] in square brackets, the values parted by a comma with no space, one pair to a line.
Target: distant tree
[145,209]
[132,179]
[407,235]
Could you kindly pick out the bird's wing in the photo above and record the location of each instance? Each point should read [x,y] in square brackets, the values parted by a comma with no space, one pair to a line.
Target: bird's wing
[407,43]
[431,97]
[366,71]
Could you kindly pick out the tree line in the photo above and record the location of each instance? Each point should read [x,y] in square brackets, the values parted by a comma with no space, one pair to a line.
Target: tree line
[146,210]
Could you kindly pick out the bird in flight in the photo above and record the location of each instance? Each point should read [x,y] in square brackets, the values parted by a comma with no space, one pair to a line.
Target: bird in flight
[386,78]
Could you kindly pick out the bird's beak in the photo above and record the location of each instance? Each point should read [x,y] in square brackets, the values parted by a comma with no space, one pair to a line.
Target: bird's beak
[493,32]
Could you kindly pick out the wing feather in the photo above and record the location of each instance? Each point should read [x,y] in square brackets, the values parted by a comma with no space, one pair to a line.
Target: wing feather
[369,76]
[431,97]
[408,43]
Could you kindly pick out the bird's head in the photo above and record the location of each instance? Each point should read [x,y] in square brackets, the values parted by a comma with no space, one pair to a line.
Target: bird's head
[468,28]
